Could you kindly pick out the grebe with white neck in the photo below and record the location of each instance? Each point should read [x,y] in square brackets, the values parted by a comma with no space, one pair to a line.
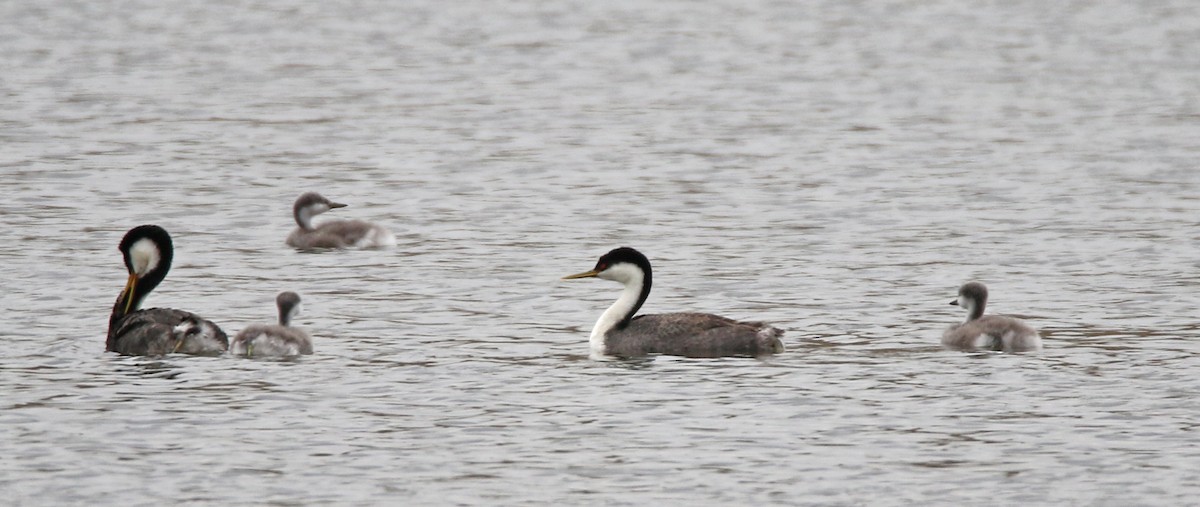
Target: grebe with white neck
[277,340]
[990,332]
[620,333]
[148,252]
[332,233]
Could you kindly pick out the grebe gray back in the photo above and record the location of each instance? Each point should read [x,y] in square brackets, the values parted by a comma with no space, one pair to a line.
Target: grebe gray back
[261,340]
[148,252]
[620,333]
[991,332]
[332,233]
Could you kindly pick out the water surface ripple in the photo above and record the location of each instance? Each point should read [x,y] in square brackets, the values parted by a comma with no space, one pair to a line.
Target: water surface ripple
[837,168]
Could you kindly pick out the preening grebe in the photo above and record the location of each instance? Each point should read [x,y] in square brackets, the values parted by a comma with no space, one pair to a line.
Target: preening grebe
[148,252]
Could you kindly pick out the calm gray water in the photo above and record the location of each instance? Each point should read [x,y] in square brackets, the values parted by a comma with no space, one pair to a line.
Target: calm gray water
[837,168]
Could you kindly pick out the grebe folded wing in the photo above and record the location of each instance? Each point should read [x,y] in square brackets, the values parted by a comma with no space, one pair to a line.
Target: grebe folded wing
[693,335]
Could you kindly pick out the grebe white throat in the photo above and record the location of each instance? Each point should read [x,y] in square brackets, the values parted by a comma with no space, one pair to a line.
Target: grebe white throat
[308,212]
[967,304]
[633,278]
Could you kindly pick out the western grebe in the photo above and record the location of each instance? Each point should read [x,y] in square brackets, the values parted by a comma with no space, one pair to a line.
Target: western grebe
[620,333]
[992,332]
[333,233]
[274,340]
[148,252]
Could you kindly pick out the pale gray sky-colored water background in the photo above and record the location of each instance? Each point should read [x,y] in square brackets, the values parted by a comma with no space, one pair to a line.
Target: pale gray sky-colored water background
[837,168]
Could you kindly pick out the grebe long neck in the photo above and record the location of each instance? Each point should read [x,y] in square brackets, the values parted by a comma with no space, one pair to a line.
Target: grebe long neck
[138,292]
[974,307]
[304,216]
[637,283]
[309,205]
[148,253]
[287,313]
[973,297]
[288,303]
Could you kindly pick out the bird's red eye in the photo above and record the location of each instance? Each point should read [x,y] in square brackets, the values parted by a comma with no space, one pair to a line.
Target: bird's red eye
[601,267]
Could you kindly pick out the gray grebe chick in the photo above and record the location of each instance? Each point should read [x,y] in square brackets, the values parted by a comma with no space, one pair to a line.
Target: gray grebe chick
[991,332]
[261,340]
[148,252]
[332,233]
[619,333]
